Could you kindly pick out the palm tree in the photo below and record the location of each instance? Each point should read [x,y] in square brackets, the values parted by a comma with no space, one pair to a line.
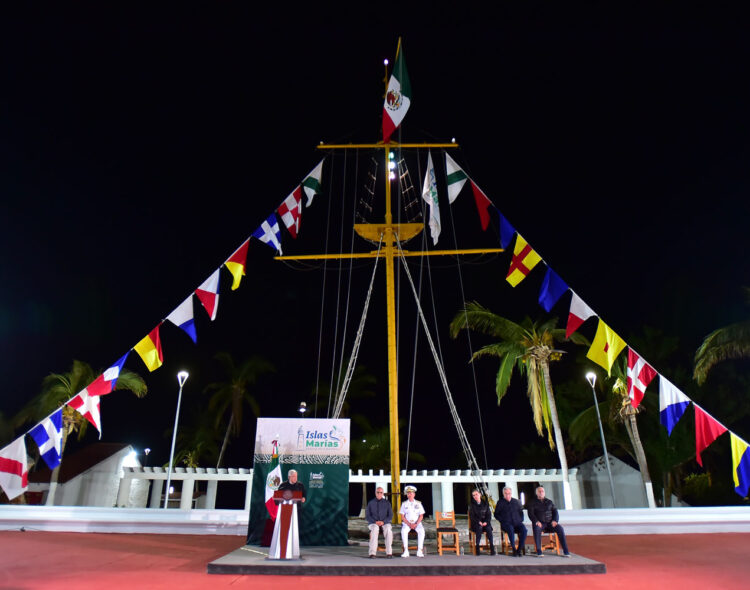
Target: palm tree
[729,342]
[233,394]
[529,346]
[57,389]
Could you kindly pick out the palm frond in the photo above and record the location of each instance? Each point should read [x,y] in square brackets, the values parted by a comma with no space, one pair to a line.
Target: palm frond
[729,342]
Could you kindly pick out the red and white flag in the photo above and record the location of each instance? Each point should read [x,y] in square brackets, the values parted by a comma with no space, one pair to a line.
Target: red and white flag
[208,293]
[88,407]
[640,374]
[14,475]
[579,313]
[273,481]
[290,211]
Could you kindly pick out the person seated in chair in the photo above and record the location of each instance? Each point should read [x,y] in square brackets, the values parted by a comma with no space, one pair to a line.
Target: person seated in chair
[379,514]
[481,520]
[510,515]
[544,518]
[412,513]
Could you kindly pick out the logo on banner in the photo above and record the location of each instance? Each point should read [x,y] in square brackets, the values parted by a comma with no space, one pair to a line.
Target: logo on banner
[316,480]
[320,439]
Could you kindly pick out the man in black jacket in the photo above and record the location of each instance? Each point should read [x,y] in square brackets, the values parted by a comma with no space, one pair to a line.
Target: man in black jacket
[544,518]
[379,515]
[510,514]
[481,517]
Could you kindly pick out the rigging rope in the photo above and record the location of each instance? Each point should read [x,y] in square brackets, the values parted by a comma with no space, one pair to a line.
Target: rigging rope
[357,341]
[471,461]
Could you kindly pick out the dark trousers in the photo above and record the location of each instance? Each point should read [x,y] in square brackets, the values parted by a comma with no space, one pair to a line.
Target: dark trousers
[478,530]
[548,528]
[512,530]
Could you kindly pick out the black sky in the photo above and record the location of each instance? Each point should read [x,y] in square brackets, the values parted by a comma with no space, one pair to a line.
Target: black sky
[140,146]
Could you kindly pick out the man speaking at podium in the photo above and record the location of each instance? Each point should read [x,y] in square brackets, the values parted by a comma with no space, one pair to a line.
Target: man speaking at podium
[293,484]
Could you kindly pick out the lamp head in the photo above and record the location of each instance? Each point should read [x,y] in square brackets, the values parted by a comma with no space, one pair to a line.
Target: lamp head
[591,378]
[302,408]
[182,377]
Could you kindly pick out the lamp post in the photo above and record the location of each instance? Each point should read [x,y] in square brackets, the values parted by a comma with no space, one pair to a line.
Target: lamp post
[302,409]
[591,378]
[146,451]
[181,378]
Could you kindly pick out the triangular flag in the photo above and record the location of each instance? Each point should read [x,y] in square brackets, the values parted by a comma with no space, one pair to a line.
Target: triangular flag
[290,211]
[397,97]
[269,233]
[483,205]
[506,230]
[524,259]
[48,437]
[14,474]
[553,287]
[183,318]
[430,196]
[579,313]
[236,264]
[640,374]
[707,430]
[149,349]
[88,407]
[605,347]
[740,465]
[311,184]
[208,294]
[456,178]
[672,404]
[106,382]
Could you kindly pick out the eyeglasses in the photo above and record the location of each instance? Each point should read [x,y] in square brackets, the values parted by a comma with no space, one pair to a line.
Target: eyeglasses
[378,493]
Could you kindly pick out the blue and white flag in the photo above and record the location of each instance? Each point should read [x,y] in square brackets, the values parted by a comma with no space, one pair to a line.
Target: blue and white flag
[269,233]
[672,404]
[48,437]
[182,317]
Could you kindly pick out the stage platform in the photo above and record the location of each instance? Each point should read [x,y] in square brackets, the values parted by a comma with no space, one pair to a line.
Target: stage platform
[354,561]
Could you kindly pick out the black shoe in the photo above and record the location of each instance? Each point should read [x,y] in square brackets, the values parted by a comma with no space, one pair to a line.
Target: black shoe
[389,556]
[493,552]
[372,557]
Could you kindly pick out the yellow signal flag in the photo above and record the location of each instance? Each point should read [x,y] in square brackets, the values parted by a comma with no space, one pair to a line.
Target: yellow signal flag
[524,259]
[236,264]
[149,349]
[605,347]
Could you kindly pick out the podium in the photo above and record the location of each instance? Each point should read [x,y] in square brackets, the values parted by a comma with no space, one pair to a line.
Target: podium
[285,540]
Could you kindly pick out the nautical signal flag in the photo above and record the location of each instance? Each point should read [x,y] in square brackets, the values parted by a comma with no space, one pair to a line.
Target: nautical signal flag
[707,430]
[672,404]
[106,382]
[208,294]
[456,178]
[88,407]
[48,437]
[553,287]
[290,211]
[14,474]
[640,374]
[269,233]
[740,465]
[605,347]
[579,313]
[397,97]
[506,230]
[483,205]
[183,318]
[524,259]
[311,184]
[149,349]
[236,264]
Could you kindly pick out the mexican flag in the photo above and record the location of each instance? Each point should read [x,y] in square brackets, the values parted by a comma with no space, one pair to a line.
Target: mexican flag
[311,184]
[273,481]
[397,97]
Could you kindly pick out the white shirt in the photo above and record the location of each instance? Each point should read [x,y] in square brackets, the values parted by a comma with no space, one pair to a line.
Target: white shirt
[411,509]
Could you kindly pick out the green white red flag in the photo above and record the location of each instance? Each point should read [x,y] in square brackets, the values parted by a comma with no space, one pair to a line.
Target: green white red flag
[273,481]
[397,97]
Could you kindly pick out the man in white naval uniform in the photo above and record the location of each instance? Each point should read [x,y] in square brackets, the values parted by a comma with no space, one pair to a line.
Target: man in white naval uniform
[412,513]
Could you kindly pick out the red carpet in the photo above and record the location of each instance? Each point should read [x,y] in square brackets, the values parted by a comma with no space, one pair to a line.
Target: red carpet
[96,561]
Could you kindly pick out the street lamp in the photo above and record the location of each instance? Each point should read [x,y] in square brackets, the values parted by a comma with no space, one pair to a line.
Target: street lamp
[302,409]
[591,378]
[146,452]
[181,378]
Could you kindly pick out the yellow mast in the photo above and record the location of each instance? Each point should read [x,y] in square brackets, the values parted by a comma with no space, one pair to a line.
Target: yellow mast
[391,234]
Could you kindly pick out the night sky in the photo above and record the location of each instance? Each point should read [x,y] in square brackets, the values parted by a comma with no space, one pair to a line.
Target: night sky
[139,147]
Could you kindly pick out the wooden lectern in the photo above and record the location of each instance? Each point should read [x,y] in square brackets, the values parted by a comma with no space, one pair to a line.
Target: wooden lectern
[285,540]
